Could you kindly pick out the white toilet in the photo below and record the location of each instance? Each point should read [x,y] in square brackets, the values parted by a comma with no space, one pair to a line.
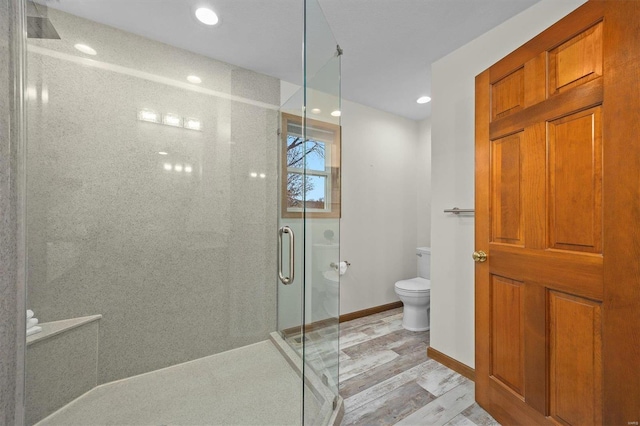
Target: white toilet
[415,294]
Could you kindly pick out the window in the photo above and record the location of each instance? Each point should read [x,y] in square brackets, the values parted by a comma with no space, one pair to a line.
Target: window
[311,167]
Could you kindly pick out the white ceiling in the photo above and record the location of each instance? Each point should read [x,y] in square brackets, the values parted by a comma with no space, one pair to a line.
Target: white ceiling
[389,45]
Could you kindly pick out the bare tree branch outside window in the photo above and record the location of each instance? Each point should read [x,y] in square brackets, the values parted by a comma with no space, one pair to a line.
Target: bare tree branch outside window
[297,186]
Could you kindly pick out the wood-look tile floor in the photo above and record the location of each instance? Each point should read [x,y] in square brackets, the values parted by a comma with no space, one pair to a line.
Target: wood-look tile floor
[387,379]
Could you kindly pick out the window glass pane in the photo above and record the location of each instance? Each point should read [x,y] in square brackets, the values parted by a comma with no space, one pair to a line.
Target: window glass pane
[312,190]
[316,192]
[313,151]
[295,151]
[315,155]
[295,190]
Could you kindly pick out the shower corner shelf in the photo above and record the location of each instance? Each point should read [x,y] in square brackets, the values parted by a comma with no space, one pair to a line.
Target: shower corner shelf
[50,329]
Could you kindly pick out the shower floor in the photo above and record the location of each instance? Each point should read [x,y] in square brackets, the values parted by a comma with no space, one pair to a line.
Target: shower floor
[252,385]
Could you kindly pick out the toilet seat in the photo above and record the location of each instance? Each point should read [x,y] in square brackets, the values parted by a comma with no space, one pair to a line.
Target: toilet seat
[414,285]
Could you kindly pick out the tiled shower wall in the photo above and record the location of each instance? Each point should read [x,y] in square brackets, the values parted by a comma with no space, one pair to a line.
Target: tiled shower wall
[8,249]
[181,264]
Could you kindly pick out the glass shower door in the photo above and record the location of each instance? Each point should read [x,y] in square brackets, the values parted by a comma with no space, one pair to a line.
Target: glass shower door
[309,220]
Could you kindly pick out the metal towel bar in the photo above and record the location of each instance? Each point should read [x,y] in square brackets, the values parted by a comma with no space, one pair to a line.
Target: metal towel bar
[456,210]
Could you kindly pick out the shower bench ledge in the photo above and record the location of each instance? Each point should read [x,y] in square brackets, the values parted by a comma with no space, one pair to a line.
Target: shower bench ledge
[53,328]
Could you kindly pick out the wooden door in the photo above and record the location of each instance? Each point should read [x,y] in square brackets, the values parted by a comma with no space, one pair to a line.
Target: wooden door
[558,214]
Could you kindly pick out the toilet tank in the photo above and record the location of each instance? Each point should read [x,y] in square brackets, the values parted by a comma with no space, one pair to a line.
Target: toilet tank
[424,262]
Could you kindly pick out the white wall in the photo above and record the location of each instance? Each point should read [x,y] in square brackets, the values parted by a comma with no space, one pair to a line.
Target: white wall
[424,183]
[380,183]
[452,292]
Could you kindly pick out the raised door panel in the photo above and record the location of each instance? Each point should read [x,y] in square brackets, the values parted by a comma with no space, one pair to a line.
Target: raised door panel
[507,95]
[575,373]
[576,61]
[506,190]
[507,333]
[535,80]
[575,182]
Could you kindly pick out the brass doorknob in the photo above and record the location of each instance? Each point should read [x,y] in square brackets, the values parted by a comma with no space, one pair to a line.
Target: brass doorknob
[479,256]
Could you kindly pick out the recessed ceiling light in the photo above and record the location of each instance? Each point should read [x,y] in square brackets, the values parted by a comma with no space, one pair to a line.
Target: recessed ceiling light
[194,79]
[163,153]
[85,49]
[423,99]
[316,110]
[206,16]
[336,113]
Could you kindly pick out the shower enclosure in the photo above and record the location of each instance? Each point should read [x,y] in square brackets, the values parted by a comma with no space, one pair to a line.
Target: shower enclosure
[182,219]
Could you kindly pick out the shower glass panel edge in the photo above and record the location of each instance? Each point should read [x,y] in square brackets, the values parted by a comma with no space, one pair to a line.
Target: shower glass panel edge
[310,206]
[322,210]
[15,26]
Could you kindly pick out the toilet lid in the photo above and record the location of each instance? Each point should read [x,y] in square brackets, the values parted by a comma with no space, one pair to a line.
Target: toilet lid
[414,284]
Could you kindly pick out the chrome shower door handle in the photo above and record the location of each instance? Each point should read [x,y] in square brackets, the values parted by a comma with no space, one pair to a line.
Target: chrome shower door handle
[288,279]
